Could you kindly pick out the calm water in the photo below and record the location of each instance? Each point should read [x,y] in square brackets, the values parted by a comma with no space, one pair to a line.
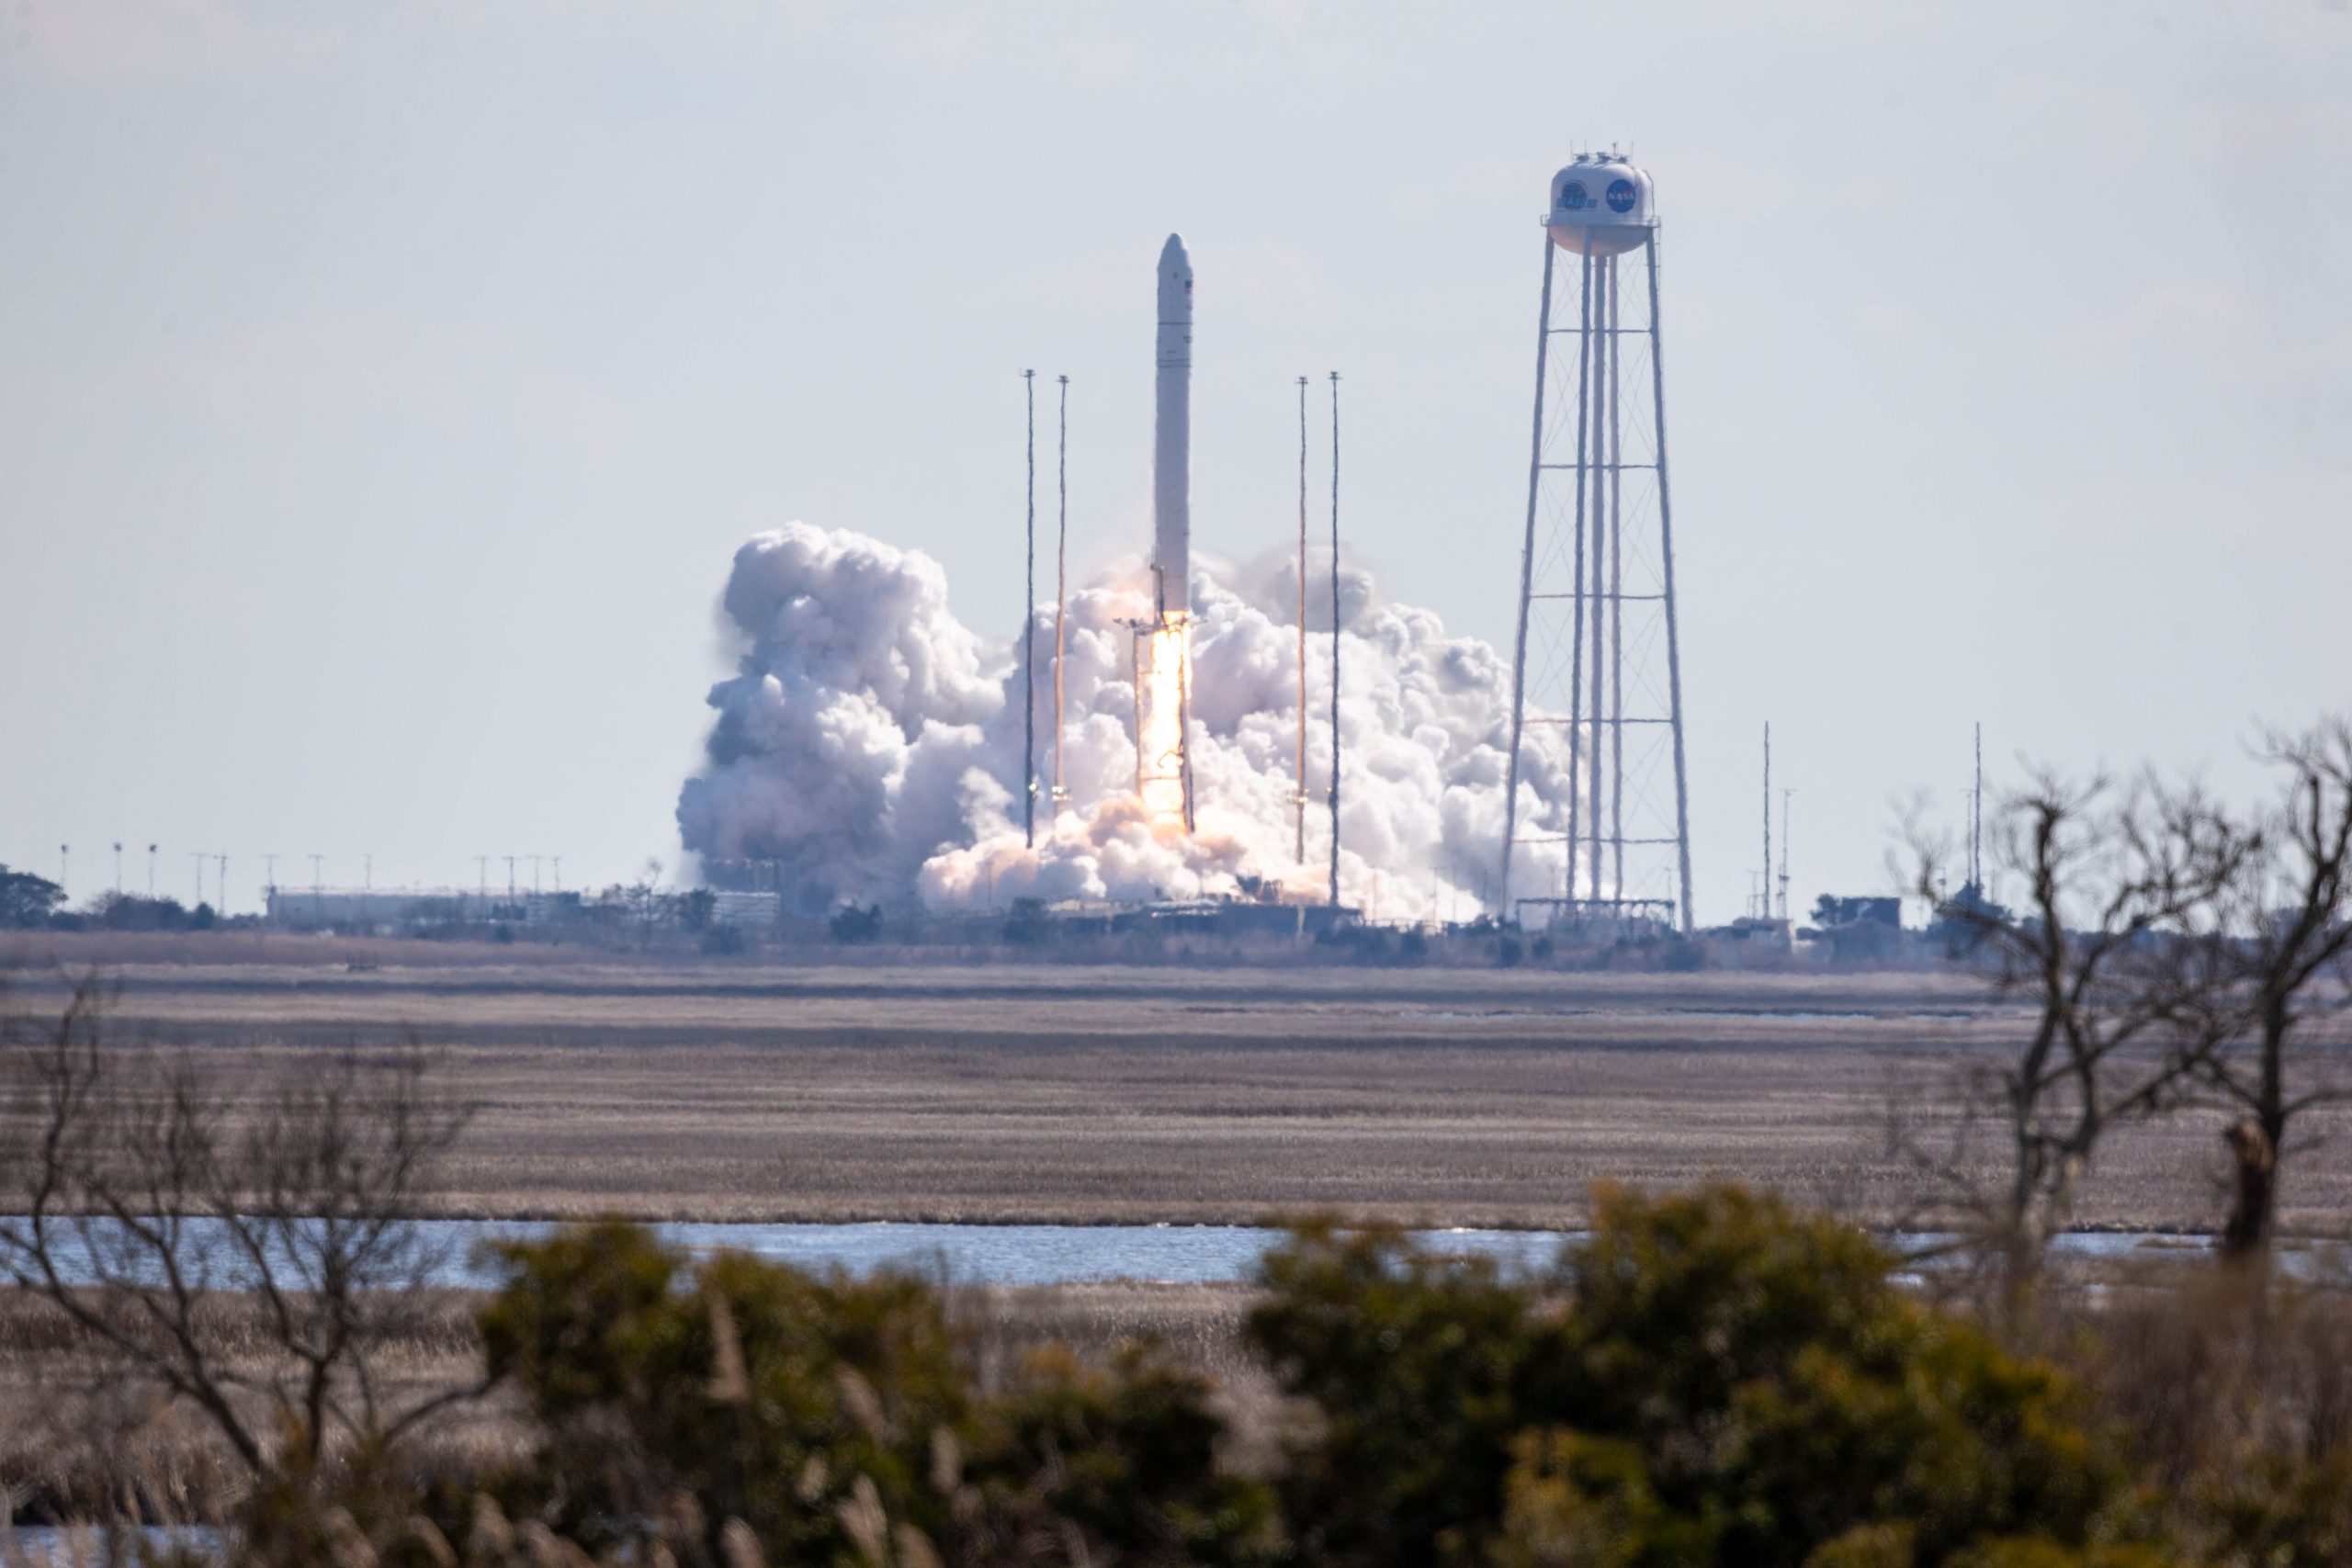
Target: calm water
[991,1255]
[40,1546]
[1044,1255]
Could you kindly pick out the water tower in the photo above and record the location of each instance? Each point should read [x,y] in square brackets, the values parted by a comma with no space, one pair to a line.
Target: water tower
[1597,667]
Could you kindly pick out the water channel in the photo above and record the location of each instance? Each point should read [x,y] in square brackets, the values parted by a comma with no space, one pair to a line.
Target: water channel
[1045,1254]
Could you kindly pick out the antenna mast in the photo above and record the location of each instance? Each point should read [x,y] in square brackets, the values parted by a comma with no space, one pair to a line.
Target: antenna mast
[1976,819]
[1298,795]
[1335,639]
[1784,853]
[1764,897]
[1029,636]
[1061,592]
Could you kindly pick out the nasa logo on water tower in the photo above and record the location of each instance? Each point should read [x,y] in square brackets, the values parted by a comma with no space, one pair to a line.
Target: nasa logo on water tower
[1601,206]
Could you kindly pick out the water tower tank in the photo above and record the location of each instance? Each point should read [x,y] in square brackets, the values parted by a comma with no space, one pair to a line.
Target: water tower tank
[1603,202]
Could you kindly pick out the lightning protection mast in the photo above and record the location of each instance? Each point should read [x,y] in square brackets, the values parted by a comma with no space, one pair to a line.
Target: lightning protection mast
[1029,632]
[1298,795]
[1785,793]
[1335,639]
[1596,712]
[1976,819]
[1060,796]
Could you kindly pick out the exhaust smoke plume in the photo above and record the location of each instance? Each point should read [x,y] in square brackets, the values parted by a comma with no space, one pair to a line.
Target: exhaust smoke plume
[870,745]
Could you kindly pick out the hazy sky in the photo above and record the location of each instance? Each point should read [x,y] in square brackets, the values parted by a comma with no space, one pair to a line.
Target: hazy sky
[384,388]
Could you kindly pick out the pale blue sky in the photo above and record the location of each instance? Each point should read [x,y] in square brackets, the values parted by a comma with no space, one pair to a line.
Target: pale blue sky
[383,389]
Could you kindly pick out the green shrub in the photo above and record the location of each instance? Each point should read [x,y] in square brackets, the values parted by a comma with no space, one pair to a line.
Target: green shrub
[762,1393]
[833,1419]
[1416,1366]
[2276,1510]
[2041,1551]
[1126,1454]
[1572,1500]
[1710,1379]
[1787,1390]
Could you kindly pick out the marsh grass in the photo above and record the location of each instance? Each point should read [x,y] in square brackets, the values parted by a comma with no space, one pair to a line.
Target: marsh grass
[79,1440]
[1041,1094]
[1199,1324]
[78,1443]
[2236,1406]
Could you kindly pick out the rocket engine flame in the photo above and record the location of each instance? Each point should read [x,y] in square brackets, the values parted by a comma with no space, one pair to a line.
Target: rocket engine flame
[1163,689]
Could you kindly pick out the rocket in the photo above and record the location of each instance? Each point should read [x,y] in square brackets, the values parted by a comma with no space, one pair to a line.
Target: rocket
[1163,640]
[1171,450]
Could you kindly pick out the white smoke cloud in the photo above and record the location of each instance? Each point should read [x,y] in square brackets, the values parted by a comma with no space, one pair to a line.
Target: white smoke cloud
[870,744]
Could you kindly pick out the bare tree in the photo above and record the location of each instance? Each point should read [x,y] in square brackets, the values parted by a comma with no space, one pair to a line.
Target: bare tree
[2104,952]
[2282,947]
[645,892]
[142,1190]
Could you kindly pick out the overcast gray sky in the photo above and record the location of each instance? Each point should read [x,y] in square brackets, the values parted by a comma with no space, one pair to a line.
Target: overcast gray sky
[384,388]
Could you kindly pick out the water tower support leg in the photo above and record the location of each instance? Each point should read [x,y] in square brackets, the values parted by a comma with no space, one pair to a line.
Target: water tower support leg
[1673,640]
[1580,755]
[1526,586]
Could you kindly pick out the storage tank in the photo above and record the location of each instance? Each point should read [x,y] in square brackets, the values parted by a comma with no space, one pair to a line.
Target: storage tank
[1602,202]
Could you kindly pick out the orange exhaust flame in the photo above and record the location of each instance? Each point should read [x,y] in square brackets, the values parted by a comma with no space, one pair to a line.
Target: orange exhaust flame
[1163,689]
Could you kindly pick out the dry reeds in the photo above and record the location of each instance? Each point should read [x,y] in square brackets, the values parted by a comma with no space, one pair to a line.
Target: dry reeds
[1025,1093]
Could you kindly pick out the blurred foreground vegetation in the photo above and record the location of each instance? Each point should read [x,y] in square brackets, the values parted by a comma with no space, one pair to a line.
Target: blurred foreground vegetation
[1712,1379]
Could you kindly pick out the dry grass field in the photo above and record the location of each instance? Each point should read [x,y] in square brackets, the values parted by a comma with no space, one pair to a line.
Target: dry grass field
[77,1437]
[1009,1092]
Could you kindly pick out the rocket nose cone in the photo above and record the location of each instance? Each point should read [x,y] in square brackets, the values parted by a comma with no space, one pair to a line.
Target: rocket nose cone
[1175,281]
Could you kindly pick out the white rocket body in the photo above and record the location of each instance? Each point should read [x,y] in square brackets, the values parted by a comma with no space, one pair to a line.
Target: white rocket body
[1172,451]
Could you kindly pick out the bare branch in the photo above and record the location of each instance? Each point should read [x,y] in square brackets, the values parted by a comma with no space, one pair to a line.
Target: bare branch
[2284,957]
[2110,951]
[145,1186]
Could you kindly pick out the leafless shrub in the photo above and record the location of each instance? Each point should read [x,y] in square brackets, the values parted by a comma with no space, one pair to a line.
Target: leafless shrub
[2281,945]
[2232,1397]
[2107,955]
[145,1196]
